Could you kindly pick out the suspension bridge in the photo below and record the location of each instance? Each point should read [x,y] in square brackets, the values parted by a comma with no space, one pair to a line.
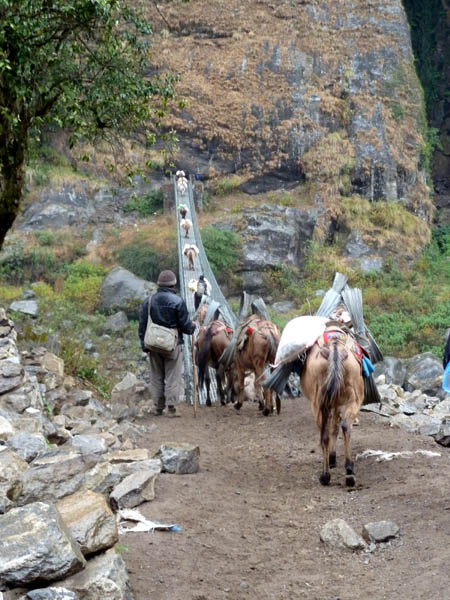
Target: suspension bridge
[201,267]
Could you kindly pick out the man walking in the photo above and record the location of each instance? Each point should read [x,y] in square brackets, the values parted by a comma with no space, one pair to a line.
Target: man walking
[169,310]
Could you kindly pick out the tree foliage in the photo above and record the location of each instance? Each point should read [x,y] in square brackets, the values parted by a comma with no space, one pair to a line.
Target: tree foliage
[82,65]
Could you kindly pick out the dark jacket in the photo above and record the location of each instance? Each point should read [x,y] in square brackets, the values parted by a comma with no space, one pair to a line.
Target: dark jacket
[446,358]
[168,310]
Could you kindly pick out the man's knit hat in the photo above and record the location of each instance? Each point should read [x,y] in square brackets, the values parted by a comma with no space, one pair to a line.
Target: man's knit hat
[167,279]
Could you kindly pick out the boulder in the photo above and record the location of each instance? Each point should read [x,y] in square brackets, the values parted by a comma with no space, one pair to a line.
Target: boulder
[26,307]
[89,444]
[380,531]
[339,534]
[116,323]
[104,578]
[55,474]
[133,490]
[121,290]
[424,372]
[6,429]
[393,369]
[36,545]
[11,375]
[28,445]
[90,521]
[12,467]
[418,423]
[180,458]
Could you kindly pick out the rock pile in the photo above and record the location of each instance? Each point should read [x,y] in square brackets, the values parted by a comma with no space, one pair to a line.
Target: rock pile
[66,459]
[400,383]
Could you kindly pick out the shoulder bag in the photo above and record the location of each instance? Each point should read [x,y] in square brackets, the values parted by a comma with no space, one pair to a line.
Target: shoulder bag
[162,340]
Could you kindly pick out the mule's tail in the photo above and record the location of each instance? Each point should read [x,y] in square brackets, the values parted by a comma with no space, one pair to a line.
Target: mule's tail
[204,356]
[333,386]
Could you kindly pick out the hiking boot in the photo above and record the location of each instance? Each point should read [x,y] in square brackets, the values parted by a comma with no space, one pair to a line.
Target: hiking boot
[172,411]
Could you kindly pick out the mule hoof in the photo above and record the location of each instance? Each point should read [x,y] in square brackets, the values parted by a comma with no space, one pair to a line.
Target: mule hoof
[237,406]
[325,478]
[208,403]
[350,480]
[266,412]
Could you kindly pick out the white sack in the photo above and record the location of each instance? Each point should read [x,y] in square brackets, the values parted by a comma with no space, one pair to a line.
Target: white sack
[298,336]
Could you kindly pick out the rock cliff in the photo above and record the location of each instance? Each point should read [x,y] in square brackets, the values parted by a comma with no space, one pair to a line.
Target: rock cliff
[308,91]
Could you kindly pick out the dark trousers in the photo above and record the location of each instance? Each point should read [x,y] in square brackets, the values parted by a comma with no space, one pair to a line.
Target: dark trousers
[197,300]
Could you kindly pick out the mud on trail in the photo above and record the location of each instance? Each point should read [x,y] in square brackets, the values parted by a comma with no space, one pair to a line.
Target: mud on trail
[251,517]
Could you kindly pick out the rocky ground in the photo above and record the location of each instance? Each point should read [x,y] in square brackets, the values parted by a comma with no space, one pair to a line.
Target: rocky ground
[251,517]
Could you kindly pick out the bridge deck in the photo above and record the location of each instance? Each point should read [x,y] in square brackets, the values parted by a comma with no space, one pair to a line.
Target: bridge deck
[201,266]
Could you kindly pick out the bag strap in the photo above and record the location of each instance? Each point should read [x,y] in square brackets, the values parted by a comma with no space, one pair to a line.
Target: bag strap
[149,308]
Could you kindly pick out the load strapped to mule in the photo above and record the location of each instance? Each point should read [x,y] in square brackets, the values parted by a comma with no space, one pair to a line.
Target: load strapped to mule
[341,306]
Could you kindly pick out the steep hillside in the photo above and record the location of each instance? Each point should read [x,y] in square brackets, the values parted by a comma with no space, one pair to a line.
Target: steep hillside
[317,93]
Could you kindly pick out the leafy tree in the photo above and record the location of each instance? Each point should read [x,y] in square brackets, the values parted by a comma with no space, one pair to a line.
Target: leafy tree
[82,65]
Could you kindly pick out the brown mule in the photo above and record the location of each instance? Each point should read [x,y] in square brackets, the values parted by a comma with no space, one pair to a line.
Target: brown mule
[210,344]
[332,380]
[191,255]
[256,349]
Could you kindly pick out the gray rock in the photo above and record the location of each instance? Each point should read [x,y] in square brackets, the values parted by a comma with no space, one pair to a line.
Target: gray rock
[283,307]
[339,534]
[11,375]
[52,593]
[28,445]
[12,467]
[133,490]
[104,578]
[89,444]
[27,307]
[180,458]
[121,290]
[274,236]
[419,423]
[90,521]
[442,437]
[380,531]
[6,428]
[424,372]
[35,545]
[393,369]
[116,323]
[55,474]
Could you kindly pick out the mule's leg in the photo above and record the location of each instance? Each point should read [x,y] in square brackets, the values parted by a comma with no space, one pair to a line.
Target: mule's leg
[220,388]
[278,403]
[334,434]
[239,388]
[208,387]
[349,466]
[325,445]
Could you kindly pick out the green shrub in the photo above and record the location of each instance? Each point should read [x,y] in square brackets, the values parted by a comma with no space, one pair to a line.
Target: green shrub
[82,285]
[224,251]
[45,238]
[147,205]
[146,262]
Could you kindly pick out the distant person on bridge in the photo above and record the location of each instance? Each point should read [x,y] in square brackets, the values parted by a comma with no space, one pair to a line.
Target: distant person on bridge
[169,310]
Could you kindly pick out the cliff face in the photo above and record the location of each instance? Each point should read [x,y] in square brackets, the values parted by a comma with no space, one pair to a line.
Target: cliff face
[307,91]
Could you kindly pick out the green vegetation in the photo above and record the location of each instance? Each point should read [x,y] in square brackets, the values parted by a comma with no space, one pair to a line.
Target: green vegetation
[407,310]
[145,261]
[226,186]
[224,250]
[424,17]
[81,66]
[147,205]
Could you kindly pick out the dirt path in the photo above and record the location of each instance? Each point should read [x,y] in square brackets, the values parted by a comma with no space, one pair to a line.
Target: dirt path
[251,517]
